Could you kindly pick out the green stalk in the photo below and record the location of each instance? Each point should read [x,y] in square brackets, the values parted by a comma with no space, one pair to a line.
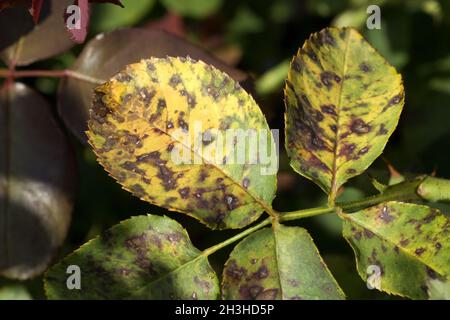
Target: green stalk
[423,188]
[434,189]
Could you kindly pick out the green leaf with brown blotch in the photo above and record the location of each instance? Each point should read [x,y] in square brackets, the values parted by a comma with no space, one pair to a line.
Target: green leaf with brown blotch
[343,101]
[407,243]
[169,131]
[145,257]
[278,263]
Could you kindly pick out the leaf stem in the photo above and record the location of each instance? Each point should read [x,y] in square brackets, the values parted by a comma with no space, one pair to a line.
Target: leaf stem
[434,189]
[11,73]
[405,191]
[237,237]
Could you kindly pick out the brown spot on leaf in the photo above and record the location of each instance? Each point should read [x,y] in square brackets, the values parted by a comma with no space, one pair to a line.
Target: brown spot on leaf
[99,109]
[382,130]
[268,294]
[261,273]
[137,190]
[393,101]
[385,216]
[363,151]
[131,166]
[231,201]
[347,150]
[368,234]
[359,127]
[296,65]
[419,251]
[234,271]
[174,80]
[327,38]
[365,67]
[326,77]
[317,163]
[404,242]
[184,192]
[329,109]
[431,273]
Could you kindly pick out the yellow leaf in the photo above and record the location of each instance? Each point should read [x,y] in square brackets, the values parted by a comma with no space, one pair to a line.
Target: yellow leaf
[160,128]
[343,101]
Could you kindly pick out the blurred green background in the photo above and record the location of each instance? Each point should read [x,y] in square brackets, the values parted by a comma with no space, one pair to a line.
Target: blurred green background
[260,37]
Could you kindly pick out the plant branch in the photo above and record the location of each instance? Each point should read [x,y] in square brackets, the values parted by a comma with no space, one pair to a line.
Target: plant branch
[423,188]
[237,237]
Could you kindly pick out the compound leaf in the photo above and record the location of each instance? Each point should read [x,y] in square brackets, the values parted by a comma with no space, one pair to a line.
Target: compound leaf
[407,244]
[278,263]
[343,101]
[162,129]
[145,257]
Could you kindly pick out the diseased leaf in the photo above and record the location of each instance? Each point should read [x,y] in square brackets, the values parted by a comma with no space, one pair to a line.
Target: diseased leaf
[343,101]
[108,53]
[22,42]
[162,128]
[408,243]
[278,263]
[37,182]
[145,257]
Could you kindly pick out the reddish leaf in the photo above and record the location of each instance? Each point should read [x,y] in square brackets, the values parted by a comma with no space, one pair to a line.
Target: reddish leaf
[35,9]
[37,182]
[4,4]
[46,39]
[171,23]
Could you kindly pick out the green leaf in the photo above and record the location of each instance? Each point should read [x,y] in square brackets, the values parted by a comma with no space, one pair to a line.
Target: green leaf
[14,292]
[408,243]
[109,17]
[193,8]
[145,257]
[162,128]
[37,183]
[278,263]
[343,101]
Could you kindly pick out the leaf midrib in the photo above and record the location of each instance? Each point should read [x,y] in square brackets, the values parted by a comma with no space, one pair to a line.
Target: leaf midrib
[333,190]
[256,199]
